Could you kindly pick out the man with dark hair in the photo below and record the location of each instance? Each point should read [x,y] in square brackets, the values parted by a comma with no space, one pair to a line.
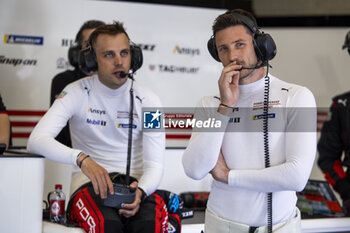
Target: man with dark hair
[61,80]
[334,141]
[103,128]
[263,151]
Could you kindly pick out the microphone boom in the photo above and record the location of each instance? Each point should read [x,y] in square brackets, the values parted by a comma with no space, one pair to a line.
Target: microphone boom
[123,74]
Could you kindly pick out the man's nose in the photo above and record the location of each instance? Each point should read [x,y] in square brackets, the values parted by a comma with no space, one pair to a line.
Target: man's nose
[117,60]
[233,55]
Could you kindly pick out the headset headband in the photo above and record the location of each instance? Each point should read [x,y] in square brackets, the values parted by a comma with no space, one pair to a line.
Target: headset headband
[249,23]
[88,62]
[264,45]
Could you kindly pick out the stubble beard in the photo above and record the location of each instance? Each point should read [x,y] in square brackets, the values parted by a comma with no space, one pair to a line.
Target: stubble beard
[246,74]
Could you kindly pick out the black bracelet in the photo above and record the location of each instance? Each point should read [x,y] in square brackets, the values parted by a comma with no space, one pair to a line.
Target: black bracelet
[227,106]
[81,162]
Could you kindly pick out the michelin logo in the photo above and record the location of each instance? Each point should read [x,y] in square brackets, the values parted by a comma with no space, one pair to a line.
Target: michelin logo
[18,39]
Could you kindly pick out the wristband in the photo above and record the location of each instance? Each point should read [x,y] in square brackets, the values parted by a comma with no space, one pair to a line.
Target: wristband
[226,106]
[81,162]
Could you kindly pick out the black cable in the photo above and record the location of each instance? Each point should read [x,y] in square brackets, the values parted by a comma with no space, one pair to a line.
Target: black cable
[266,144]
[131,118]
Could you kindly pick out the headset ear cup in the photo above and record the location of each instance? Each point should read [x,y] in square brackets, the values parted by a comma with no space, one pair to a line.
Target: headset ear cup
[136,57]
[87,60]
[265,47]
[347,42]
[258,52]
[73,55]
[212,49]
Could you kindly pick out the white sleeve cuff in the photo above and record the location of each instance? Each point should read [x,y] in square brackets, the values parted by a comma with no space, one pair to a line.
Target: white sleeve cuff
[75,153]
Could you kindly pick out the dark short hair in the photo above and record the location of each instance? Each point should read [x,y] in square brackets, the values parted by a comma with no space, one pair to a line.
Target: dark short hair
[91,24]
[229,19]
[109,29]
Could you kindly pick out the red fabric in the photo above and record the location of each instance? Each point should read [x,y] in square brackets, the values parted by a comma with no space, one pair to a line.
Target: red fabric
[26,112]
[161,214]
[329,179]
[334,206]
[86,213]
[338,168]
[334,104]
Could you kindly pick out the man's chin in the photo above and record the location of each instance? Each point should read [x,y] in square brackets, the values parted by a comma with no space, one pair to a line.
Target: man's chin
[245,74]
[121,81]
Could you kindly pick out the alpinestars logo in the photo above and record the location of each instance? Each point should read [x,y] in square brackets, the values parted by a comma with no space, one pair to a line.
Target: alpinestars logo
[171,228]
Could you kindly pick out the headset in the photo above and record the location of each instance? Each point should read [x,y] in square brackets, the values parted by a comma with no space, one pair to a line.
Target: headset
[347,42]
[73,55]
[73,51]
[88,63]
[264,45]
